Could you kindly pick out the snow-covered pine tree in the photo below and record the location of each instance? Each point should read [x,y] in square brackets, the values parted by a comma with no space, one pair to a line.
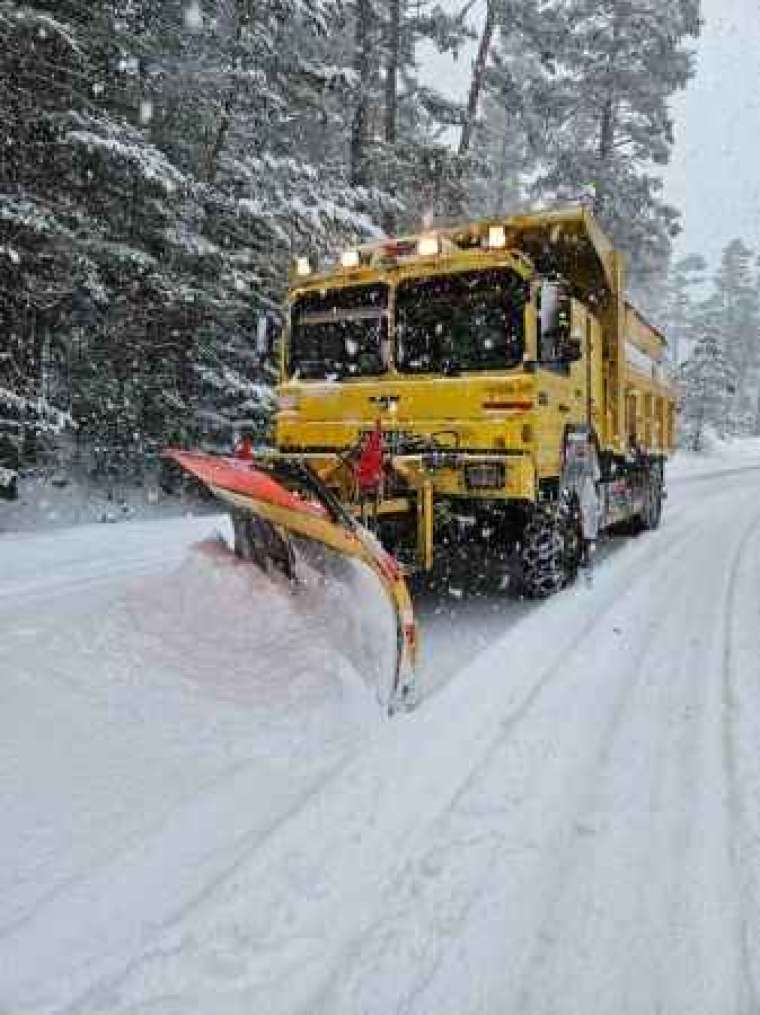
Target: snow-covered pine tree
[155,190]
[683,291]
[239,99]
[707,380]
[86,203]
[399,148]
[41,68]
[591,87]
[511,133]
[735,292]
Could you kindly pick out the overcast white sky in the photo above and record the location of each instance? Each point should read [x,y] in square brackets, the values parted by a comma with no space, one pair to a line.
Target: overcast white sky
[715,174]
[714,178]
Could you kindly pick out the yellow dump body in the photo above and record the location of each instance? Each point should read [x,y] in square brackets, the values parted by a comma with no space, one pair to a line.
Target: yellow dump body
[650,399]
[495,433]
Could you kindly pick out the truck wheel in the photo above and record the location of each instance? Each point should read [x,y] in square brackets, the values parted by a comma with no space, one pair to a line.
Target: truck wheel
[550,549]
[652,513]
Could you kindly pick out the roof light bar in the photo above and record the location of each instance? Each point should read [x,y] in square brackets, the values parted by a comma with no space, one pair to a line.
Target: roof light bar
[350,259]
[428,246]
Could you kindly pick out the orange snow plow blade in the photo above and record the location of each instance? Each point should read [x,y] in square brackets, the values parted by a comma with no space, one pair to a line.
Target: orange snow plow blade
[293,499]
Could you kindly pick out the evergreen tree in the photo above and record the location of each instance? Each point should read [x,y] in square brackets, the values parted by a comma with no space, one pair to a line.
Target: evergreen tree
[707,380]
[736,295]
[162,162]
[682,295]
[398,144]
[590,81]
[151,199]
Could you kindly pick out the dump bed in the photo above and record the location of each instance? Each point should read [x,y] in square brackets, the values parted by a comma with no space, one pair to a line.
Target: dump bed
[649,394]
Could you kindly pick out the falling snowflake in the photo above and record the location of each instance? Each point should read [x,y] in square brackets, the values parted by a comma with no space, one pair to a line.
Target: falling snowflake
[146,111]
[129,65]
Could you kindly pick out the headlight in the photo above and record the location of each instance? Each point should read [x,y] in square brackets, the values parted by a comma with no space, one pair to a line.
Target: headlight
[350,259]
[428,246]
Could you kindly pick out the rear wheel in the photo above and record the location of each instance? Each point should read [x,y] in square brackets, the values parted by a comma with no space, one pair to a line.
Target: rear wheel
[653,503]
[550,548]
[651,512]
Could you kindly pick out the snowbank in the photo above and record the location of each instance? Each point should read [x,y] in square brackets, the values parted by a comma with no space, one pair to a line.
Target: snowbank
[165,708]
[718,456]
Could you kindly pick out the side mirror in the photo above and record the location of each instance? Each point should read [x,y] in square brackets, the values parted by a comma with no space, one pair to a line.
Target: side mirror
[554,308]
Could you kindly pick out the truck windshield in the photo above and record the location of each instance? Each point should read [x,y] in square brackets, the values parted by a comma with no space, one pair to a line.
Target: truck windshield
[339,333]
[469,321]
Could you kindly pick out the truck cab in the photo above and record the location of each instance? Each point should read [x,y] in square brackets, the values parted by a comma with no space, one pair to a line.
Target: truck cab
[493,357]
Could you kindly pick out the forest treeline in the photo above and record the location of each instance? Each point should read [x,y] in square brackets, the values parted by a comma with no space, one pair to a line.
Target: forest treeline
[162,162]
[713,327]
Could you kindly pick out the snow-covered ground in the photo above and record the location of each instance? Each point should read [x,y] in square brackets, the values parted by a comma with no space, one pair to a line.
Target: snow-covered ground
[718,456]
[204,811]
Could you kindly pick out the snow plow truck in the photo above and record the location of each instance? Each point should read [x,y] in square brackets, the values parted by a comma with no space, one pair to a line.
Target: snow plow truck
[485,386]
[506,379]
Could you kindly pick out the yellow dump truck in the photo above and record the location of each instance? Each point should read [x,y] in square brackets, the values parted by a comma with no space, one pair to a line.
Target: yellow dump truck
[486,385]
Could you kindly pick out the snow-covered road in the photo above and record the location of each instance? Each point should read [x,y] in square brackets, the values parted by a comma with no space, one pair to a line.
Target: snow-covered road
[203,812]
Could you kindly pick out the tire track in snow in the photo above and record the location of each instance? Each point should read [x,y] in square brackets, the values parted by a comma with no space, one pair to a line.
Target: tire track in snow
[511,611]
[265,844]
[659,562]
[567,858]
[633,900]
[138,840]
[738,824]
[507,730]
[112,970]
[572,858]
[565,827]
[688,767]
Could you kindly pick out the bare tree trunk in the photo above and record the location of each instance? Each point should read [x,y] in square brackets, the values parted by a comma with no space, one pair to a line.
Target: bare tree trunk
[393,45]
[363,68]
[214,150]
[606,147]
[607,131]
[607,123]
[239,12]
[478,77]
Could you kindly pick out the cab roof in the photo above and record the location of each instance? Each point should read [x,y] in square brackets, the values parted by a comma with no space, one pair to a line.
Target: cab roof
[568,242]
